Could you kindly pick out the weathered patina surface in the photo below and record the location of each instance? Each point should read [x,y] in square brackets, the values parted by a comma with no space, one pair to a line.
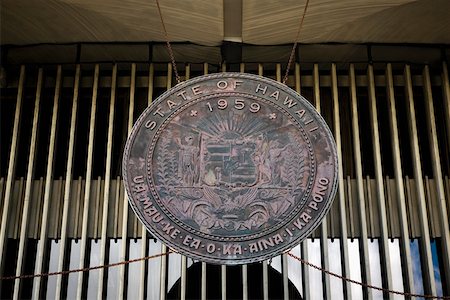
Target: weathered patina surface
[230,168]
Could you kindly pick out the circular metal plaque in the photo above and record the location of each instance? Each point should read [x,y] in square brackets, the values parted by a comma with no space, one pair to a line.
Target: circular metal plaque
[230,168]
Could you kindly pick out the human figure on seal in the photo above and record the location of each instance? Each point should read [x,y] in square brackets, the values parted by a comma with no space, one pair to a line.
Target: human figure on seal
[188,168]
[260,159]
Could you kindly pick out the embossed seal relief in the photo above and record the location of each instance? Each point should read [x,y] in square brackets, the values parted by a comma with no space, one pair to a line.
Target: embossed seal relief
[230,168]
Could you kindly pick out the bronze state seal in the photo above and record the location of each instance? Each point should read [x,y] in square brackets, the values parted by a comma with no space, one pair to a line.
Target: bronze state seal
[230,168]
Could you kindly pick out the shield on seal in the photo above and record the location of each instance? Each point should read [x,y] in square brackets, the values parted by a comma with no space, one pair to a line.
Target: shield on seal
[229,161]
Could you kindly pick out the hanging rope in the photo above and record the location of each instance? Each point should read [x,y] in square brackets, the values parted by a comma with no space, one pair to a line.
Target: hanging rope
[362,283]
[291,57]
[169,252]
[84,269]
[169,47]
[172,57]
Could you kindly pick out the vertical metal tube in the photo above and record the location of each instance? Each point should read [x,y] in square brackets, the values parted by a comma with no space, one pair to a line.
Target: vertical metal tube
[316,86]
[297,78]
[2,186]
[11,170]
[223,270]
[265,264]
[187,73]
[68,182]
[427,270]
[47,191]
[203,282]
[360,186]
[244,282]
[350,207]
[386,268]
[203,276]
[305,270]
[431,216]
[284,264]
[57,210]
[446,95]
[36,209]
[278,72]
[324,225]
[183,277]
[163,273]
[96,206]
[80,189]
[284,256]
[163,270]
[174,271]
[18,209]
[223,267]
[437,173]
[260,69]
[389,206]
[28,188]
[183,258]
[304,246]
[403,220]
[124,235]
[106,194]
[117,203]
[341,195]
[295,269]
[151,77]
[265,280]
[154,266]
[370,208]
[87,190]
[144,237]
[305,280]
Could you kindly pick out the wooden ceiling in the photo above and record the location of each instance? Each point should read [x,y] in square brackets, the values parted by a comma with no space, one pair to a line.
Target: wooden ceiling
[210,22]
